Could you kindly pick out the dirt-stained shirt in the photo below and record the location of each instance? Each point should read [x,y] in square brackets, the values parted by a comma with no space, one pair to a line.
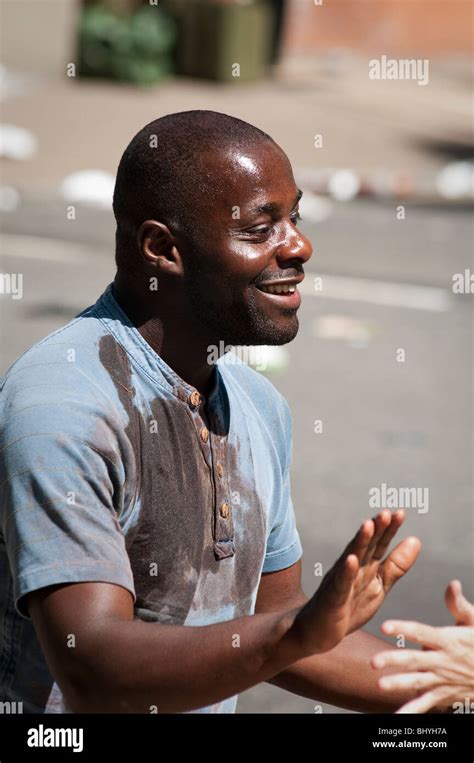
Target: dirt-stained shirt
[114,469]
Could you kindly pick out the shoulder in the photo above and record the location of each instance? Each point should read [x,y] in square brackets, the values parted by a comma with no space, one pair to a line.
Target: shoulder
[53,347]
[60,380]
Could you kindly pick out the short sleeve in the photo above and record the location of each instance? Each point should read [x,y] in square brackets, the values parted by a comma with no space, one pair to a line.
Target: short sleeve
[58,519]
[283,545]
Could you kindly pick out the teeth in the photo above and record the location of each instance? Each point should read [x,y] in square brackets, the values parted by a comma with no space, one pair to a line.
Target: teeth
[281,289]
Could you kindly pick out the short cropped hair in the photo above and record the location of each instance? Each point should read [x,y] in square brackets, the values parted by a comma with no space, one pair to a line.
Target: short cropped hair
[162,174]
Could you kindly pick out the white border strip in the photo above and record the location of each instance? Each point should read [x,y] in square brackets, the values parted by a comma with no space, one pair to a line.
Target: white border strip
[375,292]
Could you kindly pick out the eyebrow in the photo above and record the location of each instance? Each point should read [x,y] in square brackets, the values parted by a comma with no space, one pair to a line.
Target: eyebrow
[272,206]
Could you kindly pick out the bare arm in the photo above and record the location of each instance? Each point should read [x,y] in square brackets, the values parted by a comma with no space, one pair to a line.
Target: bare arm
[344,677]
[121,664]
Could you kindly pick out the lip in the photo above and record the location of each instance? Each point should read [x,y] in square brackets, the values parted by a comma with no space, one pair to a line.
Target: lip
[282,282]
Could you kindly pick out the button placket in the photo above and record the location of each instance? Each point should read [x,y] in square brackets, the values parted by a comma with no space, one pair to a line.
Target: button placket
[194,401]
[223,520]
[214,449]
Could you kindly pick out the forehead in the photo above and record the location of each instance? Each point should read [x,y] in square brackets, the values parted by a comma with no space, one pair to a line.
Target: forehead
[251,176]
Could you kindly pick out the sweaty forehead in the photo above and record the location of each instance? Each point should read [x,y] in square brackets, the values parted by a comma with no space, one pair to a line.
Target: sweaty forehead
[245,176]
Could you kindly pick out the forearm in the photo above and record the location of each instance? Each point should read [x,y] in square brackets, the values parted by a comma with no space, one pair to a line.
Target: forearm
[344,677]
[180,668]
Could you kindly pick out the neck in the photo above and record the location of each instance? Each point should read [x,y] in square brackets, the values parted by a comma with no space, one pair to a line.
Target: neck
[169,331]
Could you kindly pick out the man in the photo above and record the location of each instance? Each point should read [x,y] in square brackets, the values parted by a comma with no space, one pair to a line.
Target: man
[147,524]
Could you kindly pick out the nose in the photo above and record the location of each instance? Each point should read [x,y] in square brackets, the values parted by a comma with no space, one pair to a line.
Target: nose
[294,247]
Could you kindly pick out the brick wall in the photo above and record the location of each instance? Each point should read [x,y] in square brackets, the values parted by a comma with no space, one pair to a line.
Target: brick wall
[392,27]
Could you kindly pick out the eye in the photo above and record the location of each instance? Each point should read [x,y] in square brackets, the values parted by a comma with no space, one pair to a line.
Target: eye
[261,230]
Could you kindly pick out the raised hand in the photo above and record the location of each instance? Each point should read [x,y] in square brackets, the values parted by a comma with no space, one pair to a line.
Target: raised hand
[355,587]
[443,672]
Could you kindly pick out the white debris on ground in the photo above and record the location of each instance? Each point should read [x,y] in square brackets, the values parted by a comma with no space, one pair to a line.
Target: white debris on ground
[354,332]
[94,187]
[344,185]
[17,143]
[314,208]
[16,84]
[456,180]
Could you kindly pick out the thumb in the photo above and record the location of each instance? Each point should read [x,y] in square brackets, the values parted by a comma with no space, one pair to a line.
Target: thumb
[397,564]
[458,605]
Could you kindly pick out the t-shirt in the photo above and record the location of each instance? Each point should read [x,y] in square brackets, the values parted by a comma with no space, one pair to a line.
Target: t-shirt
[114,469]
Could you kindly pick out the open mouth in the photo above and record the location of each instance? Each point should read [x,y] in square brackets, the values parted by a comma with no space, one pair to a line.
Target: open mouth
[279,289]
[283,293]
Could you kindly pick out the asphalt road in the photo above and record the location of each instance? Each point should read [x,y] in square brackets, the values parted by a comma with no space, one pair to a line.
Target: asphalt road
[386,287]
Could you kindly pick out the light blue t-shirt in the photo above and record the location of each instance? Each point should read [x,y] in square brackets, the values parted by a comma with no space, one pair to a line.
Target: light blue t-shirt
[110,471]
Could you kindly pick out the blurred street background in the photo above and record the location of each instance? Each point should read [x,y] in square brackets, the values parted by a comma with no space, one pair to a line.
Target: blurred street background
[387,170]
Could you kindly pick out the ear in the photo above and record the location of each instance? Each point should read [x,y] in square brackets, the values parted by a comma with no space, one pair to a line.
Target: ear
[157,247]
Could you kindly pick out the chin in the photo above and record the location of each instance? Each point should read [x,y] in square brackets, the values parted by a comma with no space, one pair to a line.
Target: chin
[270,333]
[282,338]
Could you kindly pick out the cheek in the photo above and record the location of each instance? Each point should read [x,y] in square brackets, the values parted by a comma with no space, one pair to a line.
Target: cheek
[244,263]
[220,264]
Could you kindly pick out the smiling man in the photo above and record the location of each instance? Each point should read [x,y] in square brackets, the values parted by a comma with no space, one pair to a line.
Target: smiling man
[149,558]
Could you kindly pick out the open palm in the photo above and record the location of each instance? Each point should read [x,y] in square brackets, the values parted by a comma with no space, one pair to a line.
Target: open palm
[355,587]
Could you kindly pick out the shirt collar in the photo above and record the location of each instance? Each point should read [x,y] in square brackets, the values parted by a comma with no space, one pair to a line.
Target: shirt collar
[117,322]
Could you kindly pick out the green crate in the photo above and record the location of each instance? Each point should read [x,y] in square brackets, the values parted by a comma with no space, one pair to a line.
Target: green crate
[214,38]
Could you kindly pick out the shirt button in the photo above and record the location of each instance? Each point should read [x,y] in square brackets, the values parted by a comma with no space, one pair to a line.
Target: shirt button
[194,399]
[204,434]
[220,470]
[224,510]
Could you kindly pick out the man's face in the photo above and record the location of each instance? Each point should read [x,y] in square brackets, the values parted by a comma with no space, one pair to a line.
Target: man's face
[248,246]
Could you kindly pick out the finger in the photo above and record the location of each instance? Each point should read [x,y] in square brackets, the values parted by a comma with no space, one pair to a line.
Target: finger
[409,659]
[458,605]
[345,581]
[425,702]
[381,523]
[417,632]
[337,585]
[396,521]
[402,558]
[359,542]
[409,681]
